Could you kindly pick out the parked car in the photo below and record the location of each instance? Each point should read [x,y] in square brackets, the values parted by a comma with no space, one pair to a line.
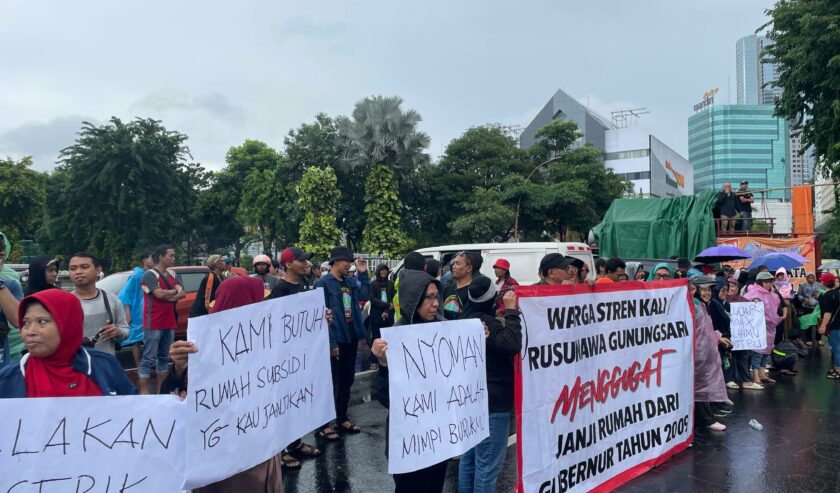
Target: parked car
[524,258]
[189,276]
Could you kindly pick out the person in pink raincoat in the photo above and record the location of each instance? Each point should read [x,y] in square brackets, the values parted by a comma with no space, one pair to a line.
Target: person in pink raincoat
[762,291]
[782,283]
[709,384]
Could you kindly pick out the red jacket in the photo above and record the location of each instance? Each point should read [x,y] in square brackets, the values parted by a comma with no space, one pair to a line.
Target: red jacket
[506,286]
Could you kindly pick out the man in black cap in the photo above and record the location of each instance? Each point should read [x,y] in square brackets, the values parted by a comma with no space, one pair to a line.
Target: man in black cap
[554,268]
[295,263]
[745,202]
[343,294]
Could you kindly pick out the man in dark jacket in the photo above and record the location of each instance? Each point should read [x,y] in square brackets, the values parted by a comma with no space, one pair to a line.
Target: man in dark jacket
[729,206]
[480,466]
[342,296]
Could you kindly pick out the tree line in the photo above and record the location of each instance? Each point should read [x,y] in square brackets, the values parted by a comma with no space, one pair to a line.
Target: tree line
[364,180]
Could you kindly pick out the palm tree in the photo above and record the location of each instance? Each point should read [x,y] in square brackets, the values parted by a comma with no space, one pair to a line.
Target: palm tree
[380,132]
[383,142]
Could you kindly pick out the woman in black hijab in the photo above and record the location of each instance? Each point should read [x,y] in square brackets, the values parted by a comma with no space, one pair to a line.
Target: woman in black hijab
[43,274]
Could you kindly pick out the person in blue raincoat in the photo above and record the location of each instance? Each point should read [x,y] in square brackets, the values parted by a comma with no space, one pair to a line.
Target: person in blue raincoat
[131,296]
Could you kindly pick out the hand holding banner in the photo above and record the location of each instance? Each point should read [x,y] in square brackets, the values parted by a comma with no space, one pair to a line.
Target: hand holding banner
[604,390]
[438,388]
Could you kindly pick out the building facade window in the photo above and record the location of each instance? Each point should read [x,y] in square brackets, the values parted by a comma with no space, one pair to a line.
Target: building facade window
[637,153]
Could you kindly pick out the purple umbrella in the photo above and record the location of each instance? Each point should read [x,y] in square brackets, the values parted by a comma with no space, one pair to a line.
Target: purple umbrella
[721,253]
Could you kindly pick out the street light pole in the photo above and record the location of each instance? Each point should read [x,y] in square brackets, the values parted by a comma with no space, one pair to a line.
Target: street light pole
[519,202]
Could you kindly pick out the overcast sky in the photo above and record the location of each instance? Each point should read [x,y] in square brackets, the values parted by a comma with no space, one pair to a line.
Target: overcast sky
[223,72]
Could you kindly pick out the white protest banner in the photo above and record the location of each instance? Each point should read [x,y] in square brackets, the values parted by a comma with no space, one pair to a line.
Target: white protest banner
[260,379]
[92,444]
[605,383]
[746,325]
[438,391]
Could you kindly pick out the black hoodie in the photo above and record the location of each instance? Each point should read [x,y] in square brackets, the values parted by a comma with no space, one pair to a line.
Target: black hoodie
[377,306]
[503,344]
[38,274]
[413,284]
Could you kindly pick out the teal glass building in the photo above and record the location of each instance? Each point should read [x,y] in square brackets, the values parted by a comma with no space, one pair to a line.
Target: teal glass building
[735,142]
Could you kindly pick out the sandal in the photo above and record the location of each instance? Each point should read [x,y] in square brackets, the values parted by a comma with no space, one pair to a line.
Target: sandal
[327,434]
[349,427]
[767,380]
[306,450]
[289,462]
[832,375]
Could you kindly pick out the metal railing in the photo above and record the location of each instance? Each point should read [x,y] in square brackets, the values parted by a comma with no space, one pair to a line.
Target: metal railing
[749,226]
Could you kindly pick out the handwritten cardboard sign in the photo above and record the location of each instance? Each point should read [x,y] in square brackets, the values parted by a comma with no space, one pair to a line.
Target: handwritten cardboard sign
[261,379]
[92,444]
[604,386]
[438,392]
[746,323]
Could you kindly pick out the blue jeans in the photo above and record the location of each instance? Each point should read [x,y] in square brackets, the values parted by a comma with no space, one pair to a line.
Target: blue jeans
[758,361]
[481,465]
[834,343]
[155,351]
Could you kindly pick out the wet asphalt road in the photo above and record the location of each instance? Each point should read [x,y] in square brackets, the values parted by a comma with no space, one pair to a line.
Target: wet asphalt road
[798,450]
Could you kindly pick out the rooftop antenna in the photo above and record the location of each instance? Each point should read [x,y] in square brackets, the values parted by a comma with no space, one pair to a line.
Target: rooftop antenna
[623,118]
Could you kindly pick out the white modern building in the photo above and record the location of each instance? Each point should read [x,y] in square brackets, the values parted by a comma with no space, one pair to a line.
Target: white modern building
[823,204]
[632,153]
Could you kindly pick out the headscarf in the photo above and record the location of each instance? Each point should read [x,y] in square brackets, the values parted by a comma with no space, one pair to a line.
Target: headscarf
[784,286]
[53,375]
[38,274]
[238,291]
[661,265]
[733,298]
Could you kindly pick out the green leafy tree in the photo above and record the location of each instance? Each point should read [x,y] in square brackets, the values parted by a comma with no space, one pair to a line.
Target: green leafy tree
[122,187]
[318,197]
[380,134]
[806,49]
[570,188]
[317,144]
[448,199]
[382,206]
[486,217]
[259,167]
[218,226]
[23,198]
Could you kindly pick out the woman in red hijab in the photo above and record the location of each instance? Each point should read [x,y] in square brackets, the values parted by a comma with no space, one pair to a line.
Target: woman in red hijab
[262,478]
[56,364]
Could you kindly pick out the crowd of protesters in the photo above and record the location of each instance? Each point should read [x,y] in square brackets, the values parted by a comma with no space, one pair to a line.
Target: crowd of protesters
[67,340]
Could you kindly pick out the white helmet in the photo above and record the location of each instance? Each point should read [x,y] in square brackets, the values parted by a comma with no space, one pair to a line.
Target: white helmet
[262,259]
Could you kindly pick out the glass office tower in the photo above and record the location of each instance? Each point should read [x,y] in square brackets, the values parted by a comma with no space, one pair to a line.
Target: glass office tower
[731,143]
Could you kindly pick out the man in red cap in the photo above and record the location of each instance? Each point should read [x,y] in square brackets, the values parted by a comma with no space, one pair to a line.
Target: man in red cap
[829,305]
[504,281]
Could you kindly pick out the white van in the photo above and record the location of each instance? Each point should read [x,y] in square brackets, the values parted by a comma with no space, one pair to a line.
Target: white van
[524,258]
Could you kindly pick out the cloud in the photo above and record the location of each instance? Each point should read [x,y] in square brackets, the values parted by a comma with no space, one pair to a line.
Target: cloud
[42,140]
[215,104]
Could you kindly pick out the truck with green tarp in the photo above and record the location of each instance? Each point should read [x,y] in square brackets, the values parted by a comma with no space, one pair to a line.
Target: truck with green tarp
[656,228]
